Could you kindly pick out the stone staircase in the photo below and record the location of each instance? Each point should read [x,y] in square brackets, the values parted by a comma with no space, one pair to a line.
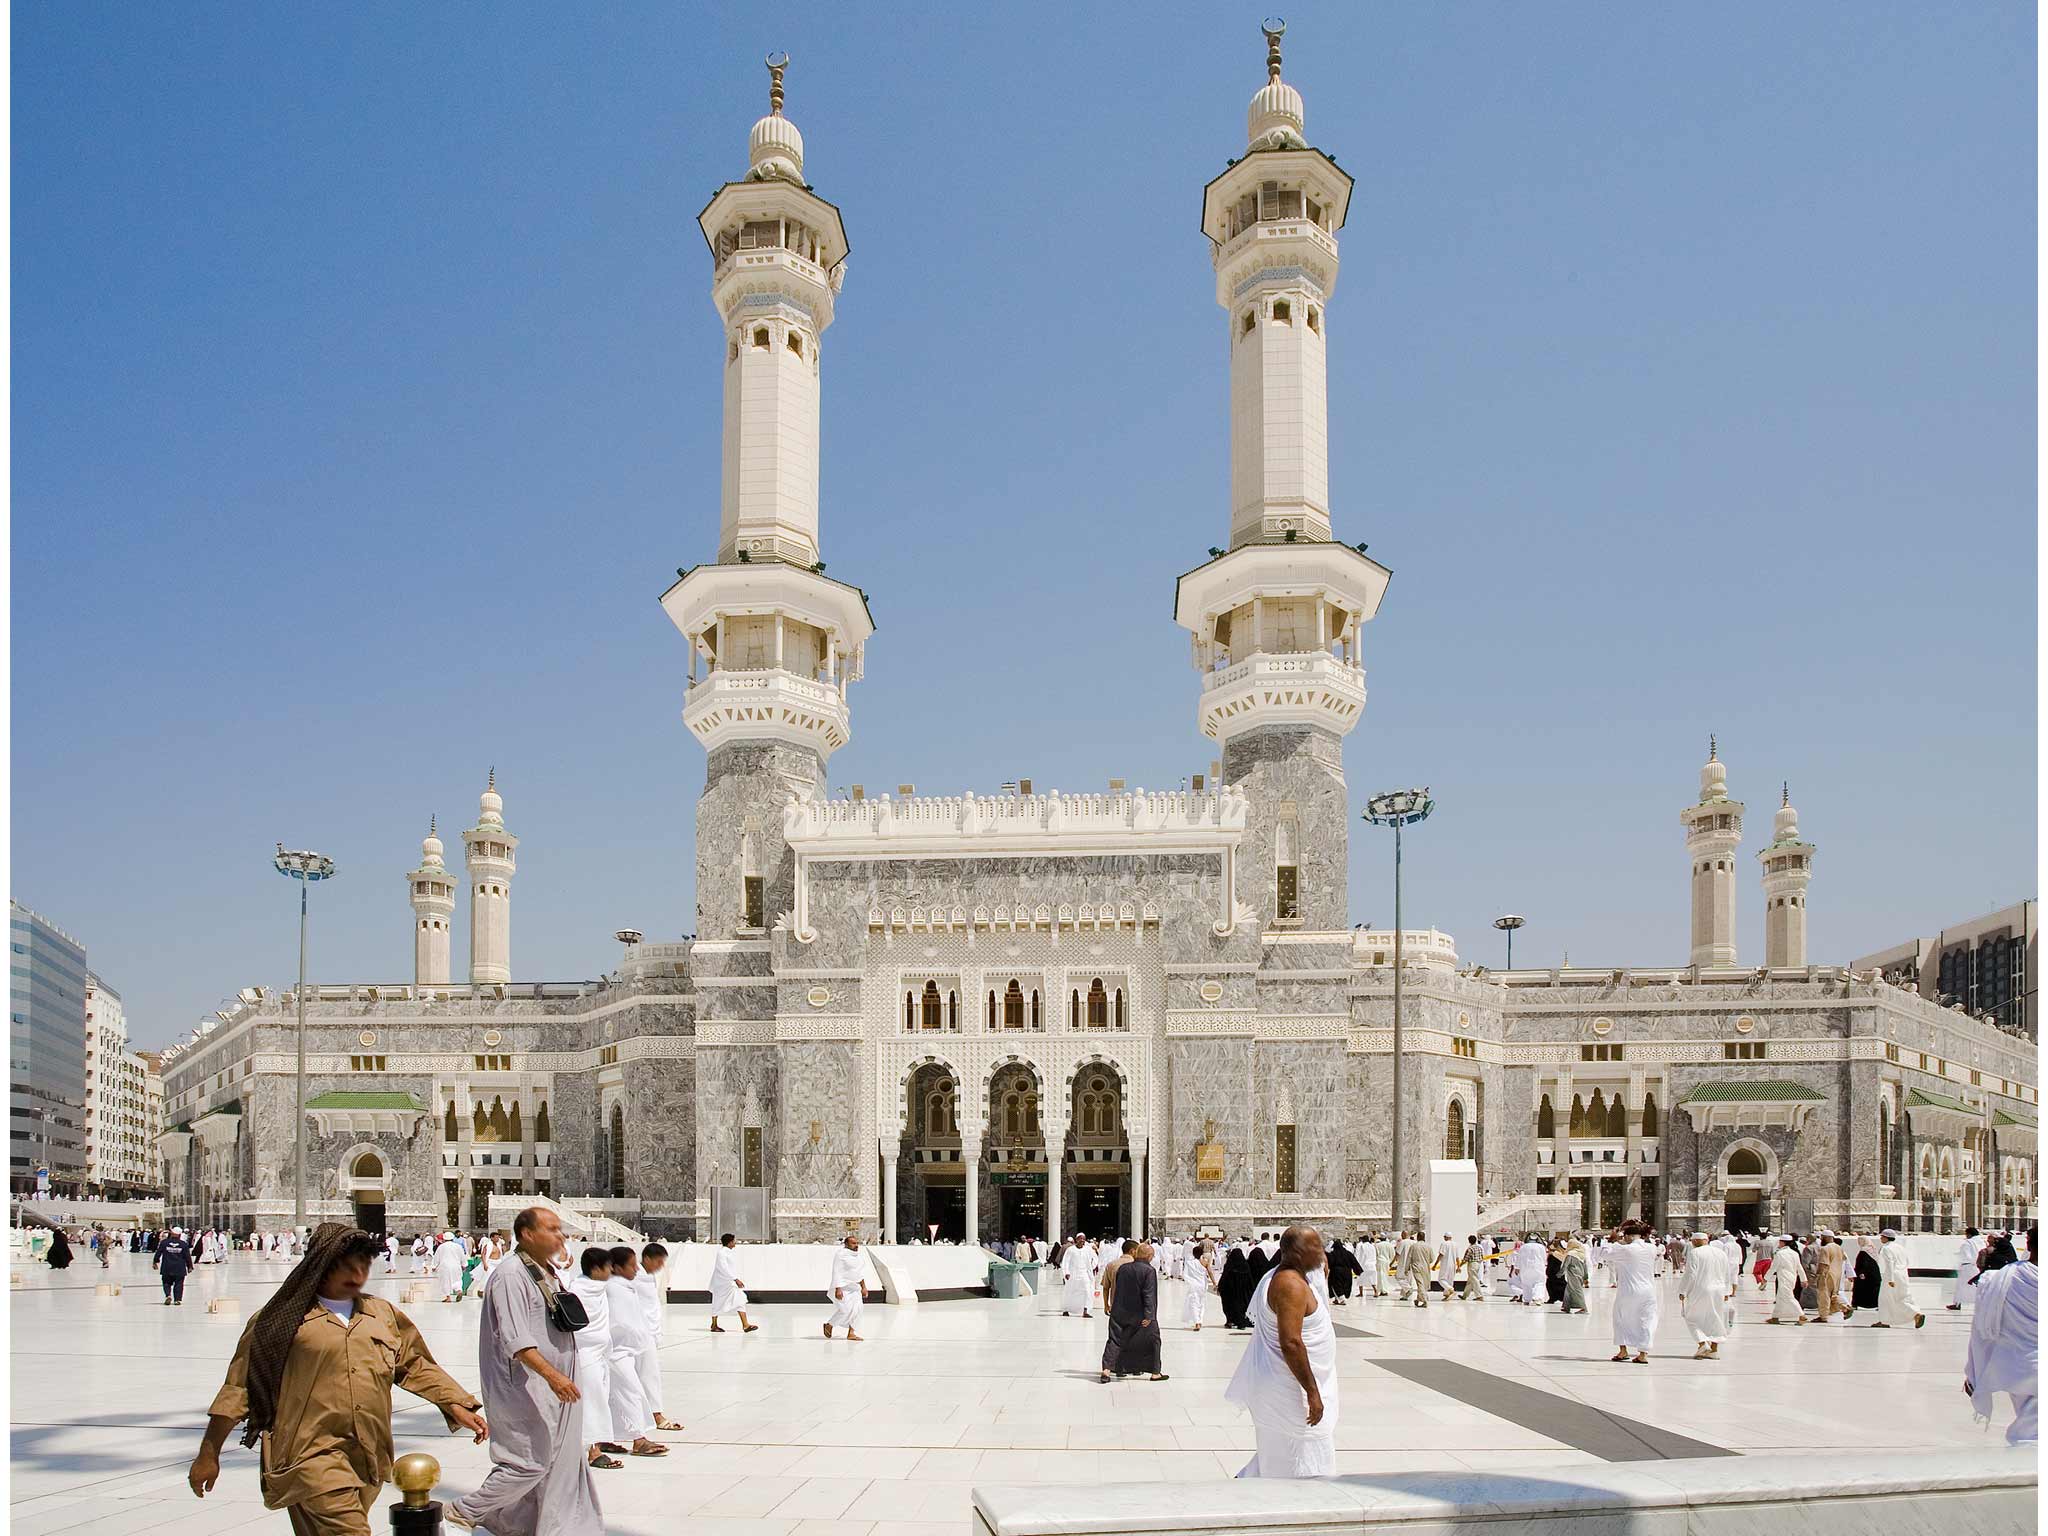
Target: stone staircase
[1530,1212]
[591,1226]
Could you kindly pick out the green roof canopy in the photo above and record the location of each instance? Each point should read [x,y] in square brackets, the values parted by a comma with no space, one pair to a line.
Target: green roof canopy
[1738,1091]
[346,1099]
[1939,1101]
[2007,1117]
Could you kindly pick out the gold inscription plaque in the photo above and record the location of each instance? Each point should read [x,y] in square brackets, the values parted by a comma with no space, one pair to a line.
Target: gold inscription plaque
[1209,1156]
[750,1157]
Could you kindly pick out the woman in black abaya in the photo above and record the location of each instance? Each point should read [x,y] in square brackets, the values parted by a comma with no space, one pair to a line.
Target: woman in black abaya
[1234,1289]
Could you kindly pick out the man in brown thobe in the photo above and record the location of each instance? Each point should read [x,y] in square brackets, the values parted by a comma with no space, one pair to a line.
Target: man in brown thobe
[1828,1279]
[324,1424]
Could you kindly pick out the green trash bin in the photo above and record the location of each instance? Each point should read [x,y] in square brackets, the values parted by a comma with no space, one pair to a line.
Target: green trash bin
[1028,1274]
[1002,1278]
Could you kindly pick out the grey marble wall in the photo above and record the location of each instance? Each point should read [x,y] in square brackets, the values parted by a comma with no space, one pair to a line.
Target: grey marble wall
[1295,770]
[746,785]
[737,1085]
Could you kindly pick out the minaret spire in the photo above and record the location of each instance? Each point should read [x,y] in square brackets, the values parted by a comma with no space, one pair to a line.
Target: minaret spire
[1274,27]
[1713,831]
[1787,871]
[490,850]
[432,889]
[777,63]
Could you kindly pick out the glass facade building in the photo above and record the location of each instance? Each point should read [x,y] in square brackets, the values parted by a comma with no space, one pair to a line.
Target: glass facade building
[45,1053]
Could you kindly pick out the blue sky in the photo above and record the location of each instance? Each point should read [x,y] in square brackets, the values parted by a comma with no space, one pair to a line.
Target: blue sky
[366,396]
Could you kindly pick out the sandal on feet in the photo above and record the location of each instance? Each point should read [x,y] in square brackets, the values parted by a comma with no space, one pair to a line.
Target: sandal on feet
[663,1422]
[751,1328]
[647,1448]
[608,1463]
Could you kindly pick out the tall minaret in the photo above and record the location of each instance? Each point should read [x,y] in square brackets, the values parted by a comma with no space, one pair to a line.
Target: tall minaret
[773,640]
[1276,616]
[490,849]
[433,903]
[1788,868]
[1713,831]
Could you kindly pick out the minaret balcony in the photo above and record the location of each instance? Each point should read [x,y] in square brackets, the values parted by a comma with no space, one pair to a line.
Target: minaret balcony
[767,705]
[1284,688]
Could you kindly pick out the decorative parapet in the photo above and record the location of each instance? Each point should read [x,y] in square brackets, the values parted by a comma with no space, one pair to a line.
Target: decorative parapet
[998,825]
[1290,688]
[1429,948]
[1020,826]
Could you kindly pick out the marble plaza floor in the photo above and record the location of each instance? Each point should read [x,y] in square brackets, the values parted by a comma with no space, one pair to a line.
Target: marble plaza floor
[788,1435]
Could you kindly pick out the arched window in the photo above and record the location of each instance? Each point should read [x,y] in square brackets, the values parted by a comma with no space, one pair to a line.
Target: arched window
[1617,1117]
[1013,1115]
[953,1010]
[541,1130]
[796,343]
[1546,1119]
[910,1010]
[480,1125]
[1121,1021]
[1886,1174]
[512,1132]
[500,1126]
[1074,1009]
[368,1166]
[1649,1114]
[451,1127]
[1098,1005]
[1013,1006]
[1454,1130]
[1250,319]
[618,1151]
[1578,1118]
[932,1011]
[761,336]
[991,1010]
[1283,312]
[1036,1021]
[1745,1163]
[1031,1114]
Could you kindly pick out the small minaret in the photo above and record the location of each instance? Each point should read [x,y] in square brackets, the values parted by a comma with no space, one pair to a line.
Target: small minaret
[1788,868]
[490,848]
[433,904]
[773,640]
[1713,831]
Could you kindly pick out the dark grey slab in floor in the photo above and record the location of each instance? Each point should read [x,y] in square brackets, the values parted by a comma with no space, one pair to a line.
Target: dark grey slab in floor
[1579,1425]
[1345,1330]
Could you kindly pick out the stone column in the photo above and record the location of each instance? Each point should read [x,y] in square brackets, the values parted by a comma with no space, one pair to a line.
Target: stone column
[1632,1206]
[1138,1201]
[970,1161]
[889,1196]
[1055,1159]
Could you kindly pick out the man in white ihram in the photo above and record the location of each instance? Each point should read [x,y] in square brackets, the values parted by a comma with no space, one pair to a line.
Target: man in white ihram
[1895,1303]
[1287,1378]
[1077,1277]
[449,1258]
[1633,1262]
[848,1291]
[1703,1291]
[2005,1343]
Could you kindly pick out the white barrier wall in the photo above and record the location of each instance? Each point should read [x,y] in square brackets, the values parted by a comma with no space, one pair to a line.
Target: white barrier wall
[1959,1493]
[807,1267]
[1453,1203]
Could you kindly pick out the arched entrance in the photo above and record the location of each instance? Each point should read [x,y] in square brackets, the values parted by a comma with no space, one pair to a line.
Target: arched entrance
[365,1182]
[1098,1153]
[935,1195]
[1014,1153]
[1746,1177]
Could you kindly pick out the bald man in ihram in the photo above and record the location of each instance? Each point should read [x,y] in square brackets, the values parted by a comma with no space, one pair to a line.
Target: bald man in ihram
[1287,1378]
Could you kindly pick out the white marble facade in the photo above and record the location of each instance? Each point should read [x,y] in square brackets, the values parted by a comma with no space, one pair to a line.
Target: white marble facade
[1031,1011]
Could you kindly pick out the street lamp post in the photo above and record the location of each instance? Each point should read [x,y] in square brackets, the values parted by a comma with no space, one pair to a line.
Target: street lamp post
[1507,924]
[305,867]
[1397,809]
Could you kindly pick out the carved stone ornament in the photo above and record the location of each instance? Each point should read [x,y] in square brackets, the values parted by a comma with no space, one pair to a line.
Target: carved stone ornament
[818,997]
[367,1037]
[1212,991]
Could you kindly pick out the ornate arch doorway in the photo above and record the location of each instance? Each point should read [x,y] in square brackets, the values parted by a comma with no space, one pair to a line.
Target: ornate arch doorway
[936,1195]
[1098,1153]
[1015,1155]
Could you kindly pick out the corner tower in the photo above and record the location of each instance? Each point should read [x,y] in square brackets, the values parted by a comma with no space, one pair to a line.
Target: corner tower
[1275,617]
[773,640]
[433,904]
[1788,870]
[489,849]
[1713,831]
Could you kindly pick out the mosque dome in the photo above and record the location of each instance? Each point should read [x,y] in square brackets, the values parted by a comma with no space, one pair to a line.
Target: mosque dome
[1274,119]
[775,149]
